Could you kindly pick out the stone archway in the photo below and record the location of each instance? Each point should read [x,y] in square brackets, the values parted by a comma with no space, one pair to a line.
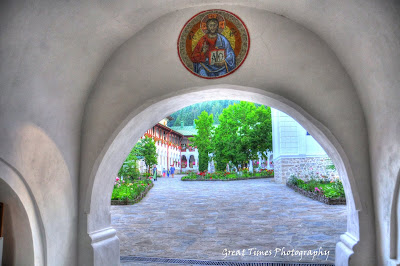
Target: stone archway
[102,238]
[29,209]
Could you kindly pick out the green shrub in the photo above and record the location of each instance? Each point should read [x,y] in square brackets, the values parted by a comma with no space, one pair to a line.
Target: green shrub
[128,189]
[293,180]
[222,175]
[332,189]
[331,166]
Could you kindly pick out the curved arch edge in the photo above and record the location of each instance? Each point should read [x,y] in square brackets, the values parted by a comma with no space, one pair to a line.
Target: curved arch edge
[113,150]
[17,182]
[394,223]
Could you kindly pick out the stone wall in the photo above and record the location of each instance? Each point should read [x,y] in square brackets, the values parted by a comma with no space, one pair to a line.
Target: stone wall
[302,167]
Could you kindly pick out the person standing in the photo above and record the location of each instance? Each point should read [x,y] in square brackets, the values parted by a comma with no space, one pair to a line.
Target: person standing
[172,171]
[155,172]
[164,172]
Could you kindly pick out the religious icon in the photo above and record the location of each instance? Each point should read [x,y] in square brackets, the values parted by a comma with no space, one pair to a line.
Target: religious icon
[213,44]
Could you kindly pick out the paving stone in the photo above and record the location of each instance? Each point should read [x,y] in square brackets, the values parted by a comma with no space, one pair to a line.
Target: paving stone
[198,220]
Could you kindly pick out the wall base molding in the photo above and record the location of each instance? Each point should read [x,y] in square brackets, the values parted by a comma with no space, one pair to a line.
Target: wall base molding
[105,244]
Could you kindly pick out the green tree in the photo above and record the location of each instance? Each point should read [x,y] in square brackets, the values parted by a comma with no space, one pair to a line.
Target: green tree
[143,149]
[129,167]
[148,150]
[244,131]
[225,140]
[262,133]
[204,127]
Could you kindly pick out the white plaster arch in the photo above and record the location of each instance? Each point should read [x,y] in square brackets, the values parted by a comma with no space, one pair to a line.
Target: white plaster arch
[394,223]
[97,201]
[74,39]
[18,184]
[286,62]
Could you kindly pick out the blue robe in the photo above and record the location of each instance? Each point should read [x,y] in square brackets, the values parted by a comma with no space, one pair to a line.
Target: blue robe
[206,70]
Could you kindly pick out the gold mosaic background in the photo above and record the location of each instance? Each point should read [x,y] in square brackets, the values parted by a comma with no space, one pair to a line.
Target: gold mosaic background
[226,32]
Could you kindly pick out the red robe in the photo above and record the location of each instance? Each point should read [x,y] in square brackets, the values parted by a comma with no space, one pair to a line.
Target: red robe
[198,56]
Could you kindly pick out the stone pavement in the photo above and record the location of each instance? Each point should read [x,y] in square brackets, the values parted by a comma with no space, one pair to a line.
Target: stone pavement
[204,220]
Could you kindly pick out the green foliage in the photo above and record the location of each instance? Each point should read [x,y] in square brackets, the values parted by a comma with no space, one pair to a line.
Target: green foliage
[190,175]
[244,131]
[204,126]
[129,167]
[188,114]
[148,151]
[331,166]
[149,175]
[144,148]
[269,172]
[332,189]
[221,175]
[293,180]
[129,189]
[310,185]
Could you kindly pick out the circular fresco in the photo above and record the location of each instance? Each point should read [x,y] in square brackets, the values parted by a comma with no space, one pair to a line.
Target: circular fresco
[213,44]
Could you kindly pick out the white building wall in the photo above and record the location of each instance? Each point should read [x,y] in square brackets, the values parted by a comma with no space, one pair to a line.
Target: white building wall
[312,147]
[195,167]
[295,151]
[165,157]
[290,139]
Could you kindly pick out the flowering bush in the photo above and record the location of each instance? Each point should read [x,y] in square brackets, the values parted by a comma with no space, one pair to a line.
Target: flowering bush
[202,173]
[221,175]
[330,189]
[128,190]
[269,172]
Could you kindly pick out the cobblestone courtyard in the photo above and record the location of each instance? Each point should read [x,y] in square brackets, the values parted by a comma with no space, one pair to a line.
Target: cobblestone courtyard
[203,220]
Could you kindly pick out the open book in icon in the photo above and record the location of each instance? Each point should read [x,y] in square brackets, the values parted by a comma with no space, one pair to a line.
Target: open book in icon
[217,56]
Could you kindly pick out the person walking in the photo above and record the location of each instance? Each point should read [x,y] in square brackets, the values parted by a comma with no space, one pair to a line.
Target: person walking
[167,172]
[155,172]
[164,172]
[172,171]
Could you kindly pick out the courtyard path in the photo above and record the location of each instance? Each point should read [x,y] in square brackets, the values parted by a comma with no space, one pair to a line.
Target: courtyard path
[202,220]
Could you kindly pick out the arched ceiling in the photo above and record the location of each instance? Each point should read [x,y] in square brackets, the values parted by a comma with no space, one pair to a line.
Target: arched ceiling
[53,51]
[72,40]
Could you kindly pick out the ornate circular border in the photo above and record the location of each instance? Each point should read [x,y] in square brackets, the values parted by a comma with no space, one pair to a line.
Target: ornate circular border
[243,37]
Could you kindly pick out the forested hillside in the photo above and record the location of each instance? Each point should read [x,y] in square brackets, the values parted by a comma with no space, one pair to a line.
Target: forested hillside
[188,114]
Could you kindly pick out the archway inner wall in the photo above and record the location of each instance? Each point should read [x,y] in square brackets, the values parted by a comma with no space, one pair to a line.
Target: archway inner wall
[24,236]
[285,60]
[18,244]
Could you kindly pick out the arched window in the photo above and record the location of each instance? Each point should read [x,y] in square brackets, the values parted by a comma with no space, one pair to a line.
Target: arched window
[192,161]
[184,161]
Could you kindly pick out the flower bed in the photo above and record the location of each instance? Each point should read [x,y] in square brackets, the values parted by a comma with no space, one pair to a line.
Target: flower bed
[227,176]
[130,192]
[328,192]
